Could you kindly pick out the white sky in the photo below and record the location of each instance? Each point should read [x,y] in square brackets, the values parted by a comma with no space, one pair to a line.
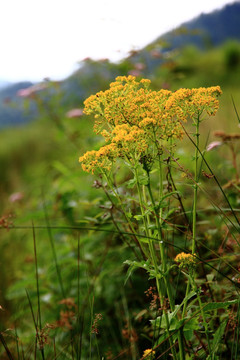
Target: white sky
[47,38]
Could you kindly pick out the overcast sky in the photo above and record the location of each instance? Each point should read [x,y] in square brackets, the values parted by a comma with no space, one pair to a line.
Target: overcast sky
[48,38]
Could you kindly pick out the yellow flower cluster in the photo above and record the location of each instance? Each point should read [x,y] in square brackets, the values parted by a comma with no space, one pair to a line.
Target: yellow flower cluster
[102,158]
[131,116]
[148,354]
[185,259]
[129,139]
[192,102]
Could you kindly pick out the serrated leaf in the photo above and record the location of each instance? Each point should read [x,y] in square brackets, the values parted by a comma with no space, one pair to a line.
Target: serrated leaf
[219,305]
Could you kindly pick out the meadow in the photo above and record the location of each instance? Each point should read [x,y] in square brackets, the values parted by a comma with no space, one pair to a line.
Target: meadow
[120,224]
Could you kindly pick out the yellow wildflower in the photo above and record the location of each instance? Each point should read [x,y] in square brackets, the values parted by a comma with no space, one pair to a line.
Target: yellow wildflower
[147,121]
[130,140]
[148,354]
[101,159]
[133,119]
[185,259]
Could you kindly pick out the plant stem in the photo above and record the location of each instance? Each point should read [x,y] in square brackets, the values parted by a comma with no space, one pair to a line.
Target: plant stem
[154,258]
[195,288]
[194,228]
[109,182]
[194,211]
[194,216]
[164,268]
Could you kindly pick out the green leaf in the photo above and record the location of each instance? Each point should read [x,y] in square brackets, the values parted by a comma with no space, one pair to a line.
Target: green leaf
[129,214]
[163,203]
[188,334]
[143,180]
[131,183]
[219,305]
[218,336]
[191,324]
[138,217]
[188,297]
[131,269]
[134,265]
[152,227]
[161,320]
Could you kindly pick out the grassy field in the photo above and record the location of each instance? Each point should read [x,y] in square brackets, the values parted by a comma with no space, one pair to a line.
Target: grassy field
[89,261]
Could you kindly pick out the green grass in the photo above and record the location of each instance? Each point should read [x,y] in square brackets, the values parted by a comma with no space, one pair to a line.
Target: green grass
[41,161]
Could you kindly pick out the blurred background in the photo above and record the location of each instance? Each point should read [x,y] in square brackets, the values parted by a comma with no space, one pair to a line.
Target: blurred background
[54,54]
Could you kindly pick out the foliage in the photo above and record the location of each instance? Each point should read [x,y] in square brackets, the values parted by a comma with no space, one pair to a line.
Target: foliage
[95,274]
[84,275]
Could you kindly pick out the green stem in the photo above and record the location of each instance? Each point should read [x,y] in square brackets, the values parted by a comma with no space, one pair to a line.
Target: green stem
[161,245]
[194,228]
[185,305]
[195,288]
[164,268]
[194,211]
[146,222]
[194,216]
[125,214]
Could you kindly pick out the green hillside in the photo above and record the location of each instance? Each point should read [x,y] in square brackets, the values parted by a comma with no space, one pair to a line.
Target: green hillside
[12,108]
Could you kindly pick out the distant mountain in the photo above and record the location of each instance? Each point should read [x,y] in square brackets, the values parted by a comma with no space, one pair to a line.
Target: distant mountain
[208,29]
[205,31]
[4,83]
[12,110]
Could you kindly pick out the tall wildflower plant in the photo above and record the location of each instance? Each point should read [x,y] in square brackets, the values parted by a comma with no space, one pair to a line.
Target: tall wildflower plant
[142,129]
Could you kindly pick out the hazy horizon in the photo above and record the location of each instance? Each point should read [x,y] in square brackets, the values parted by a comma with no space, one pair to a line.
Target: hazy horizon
[49,39]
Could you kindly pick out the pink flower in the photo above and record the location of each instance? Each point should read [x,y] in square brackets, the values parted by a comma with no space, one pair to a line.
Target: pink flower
[213,145]
[15,197]
[139,66]
[156,54]
[31,90]
[24,92]
[74,113]
[135,73]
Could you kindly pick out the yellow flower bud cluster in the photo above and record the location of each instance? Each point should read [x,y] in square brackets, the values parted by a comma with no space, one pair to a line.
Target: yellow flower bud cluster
[185,259]
[148,354]
[193,102]
[129,139]
[99,159]
[130,116]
